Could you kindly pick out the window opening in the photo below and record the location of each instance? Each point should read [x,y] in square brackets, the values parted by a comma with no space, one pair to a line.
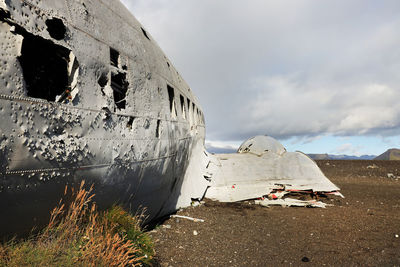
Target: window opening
[145,33]
[45,67]
[114,57]
[130,122]
[102,81]
[119,83]
[56,28]
[193,114]
[171,97]
[183,106]
[188,104]
[188,111]
[119,86]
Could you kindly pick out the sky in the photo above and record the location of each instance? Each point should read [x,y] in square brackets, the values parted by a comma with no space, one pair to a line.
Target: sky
[319,76]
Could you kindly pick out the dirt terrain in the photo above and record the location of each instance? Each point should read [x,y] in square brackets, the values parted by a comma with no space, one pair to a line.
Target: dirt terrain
[362,229]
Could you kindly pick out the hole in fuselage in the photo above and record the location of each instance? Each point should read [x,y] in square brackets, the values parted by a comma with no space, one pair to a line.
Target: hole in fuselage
[119,83]
[130,123]
[56,28]
[45,67]
[145,33]
[114,57]
[119,86]
[183,106]
[103,80]
[171,97]
[4,14]
[193,114]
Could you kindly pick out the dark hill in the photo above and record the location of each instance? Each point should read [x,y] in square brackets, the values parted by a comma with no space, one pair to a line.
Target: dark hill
[340,157]
[390,154]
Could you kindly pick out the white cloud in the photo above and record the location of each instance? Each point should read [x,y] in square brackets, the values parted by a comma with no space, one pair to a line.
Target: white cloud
[284,68]
[290,107]
[348,149]
[223,144]
[305,139]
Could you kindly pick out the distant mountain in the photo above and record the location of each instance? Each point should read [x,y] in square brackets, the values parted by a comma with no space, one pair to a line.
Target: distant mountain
[390,154]
[340,157]
[318,156]
[225,150]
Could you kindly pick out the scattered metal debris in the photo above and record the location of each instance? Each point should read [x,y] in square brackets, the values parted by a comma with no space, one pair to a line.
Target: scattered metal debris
[291,202]
[391,175]
[373,166]
[262,167]
[187,218]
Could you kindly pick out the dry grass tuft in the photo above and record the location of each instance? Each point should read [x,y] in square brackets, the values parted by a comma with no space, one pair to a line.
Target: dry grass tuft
[78,235]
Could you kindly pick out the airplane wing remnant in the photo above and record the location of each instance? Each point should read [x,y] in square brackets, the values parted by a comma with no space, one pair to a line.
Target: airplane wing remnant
[263,166]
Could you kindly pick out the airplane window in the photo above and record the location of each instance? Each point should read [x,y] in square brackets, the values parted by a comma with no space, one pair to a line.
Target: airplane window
[119,86]
[45,67]
[130,122]
[114,57]
[119,83]
[193,115]
[171,97]
[183,106]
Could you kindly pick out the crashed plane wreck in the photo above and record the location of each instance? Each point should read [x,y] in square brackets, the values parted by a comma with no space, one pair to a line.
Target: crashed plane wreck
[86,94]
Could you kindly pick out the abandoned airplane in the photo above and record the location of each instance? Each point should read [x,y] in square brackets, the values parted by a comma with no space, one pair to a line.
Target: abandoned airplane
[86,94]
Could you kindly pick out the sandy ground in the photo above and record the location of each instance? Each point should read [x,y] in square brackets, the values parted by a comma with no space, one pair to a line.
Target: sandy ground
[362,229]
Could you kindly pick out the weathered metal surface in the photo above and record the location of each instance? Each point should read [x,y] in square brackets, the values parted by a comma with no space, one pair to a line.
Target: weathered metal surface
[260,145]
[262,167]
[84,95]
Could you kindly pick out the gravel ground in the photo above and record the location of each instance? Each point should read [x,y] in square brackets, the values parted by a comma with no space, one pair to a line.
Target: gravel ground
[360,230]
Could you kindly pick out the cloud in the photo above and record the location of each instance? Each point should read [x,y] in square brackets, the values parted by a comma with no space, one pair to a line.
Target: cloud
[221,146]
[305,139]
[308,109]
[284,68]
[348,149]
